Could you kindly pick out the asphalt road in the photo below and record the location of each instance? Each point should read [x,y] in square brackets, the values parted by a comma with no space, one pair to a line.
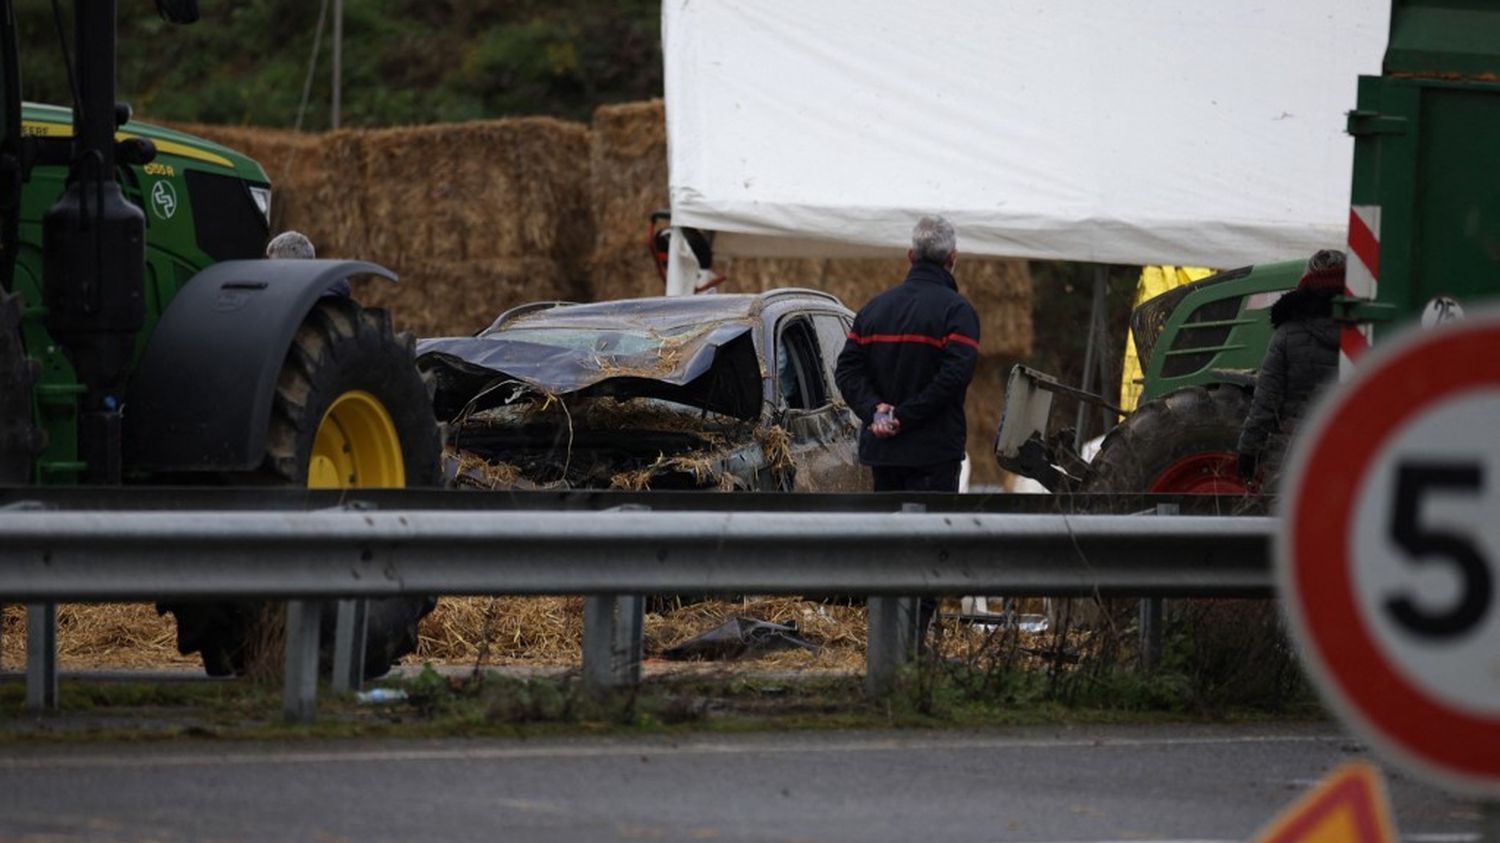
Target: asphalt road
[1161,783]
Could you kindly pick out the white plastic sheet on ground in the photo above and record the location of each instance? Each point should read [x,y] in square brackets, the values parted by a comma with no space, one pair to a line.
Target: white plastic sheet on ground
[1141,132]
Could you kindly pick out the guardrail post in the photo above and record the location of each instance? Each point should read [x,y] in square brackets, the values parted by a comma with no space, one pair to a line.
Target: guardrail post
[41,657]
[1151,613]
[350,630]
[612,631]
[612,626]
[889,642]
[892,634]
[299,701]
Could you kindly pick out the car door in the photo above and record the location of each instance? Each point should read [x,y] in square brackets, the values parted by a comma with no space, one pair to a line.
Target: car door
[823,432]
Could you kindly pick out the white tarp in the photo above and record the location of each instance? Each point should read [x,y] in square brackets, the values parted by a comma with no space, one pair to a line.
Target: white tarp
[1142,132]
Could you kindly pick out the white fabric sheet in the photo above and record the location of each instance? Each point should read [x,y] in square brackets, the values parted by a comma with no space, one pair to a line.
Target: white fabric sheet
[1198,132]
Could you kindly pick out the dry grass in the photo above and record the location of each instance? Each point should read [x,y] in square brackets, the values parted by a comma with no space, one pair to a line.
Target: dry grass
[548,631]
[109,635]
[523,631]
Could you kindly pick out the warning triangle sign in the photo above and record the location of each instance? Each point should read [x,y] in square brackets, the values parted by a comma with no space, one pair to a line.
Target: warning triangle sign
[1349,806]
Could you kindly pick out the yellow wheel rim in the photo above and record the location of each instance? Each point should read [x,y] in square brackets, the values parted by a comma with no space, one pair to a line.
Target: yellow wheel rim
[356,446]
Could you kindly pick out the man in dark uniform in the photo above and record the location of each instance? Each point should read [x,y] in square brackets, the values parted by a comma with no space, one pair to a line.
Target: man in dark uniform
[906,366]
[904,371]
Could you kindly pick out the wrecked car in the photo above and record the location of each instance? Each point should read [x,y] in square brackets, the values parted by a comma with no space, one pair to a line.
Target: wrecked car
[727,391]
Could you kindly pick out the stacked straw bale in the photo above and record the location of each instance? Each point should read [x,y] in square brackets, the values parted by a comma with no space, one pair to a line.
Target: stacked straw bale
[627,181]
[295,163]
[457,298]
[474,191]
[474,217]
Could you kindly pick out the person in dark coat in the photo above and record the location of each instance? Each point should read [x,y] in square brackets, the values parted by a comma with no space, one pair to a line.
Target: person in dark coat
[904,371]
[1303,356]
[906,367]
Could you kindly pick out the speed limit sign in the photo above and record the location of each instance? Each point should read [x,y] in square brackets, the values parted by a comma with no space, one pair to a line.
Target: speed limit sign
[1389,552]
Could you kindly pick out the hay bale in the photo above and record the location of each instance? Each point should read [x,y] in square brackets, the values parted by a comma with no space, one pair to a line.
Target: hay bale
[331,202]
[473,191]
[1000,291]
[753,275]
[294,162]
[312,176]
[982,408]
[480,191]
[857,280]
[627,181]
[453,298]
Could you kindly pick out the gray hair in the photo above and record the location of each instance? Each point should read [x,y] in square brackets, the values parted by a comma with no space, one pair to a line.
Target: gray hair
[290,244]
[933,239]
[1324,259]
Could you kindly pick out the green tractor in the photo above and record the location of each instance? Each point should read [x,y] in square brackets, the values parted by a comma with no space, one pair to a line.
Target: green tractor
[1199,346]
[145,340]
[1423,245]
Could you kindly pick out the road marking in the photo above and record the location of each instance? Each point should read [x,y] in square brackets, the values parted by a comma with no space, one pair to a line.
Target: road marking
[563,751]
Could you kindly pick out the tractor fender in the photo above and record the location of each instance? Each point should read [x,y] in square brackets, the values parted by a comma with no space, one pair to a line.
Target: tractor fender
[200,399]
[1242,378]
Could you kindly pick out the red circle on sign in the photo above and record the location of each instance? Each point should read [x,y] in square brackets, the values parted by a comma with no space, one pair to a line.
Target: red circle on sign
[1332,469]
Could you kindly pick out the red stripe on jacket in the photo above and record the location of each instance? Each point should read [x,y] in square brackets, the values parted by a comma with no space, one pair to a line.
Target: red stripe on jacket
[935,342]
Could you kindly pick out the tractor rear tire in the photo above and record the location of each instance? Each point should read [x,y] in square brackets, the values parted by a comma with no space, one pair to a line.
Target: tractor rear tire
[1181,443]
[350,410]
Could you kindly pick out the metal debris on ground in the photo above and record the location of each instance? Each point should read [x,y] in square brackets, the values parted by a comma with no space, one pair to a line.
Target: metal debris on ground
[739,637]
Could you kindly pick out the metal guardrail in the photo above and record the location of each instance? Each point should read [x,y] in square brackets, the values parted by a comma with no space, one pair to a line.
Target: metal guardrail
[612,556]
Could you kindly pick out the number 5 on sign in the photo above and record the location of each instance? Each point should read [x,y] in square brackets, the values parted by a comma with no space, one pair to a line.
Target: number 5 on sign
[1388,553]
[1438,618]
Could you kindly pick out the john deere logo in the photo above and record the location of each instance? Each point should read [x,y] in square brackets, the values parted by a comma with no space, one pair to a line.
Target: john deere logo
[164,200]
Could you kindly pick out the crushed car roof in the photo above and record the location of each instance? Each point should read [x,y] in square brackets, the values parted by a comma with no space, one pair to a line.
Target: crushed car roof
[658,312]
[697,351]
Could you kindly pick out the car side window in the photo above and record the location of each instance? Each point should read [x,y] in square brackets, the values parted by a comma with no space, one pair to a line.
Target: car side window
[800,373]
[833,332]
